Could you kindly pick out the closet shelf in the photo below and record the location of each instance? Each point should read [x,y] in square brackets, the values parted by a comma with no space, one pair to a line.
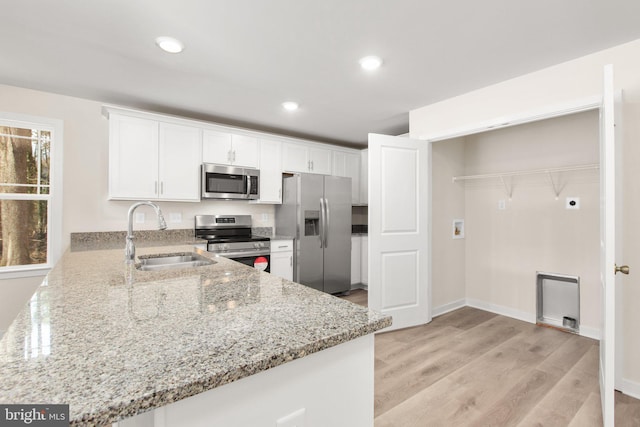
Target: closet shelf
[549,171]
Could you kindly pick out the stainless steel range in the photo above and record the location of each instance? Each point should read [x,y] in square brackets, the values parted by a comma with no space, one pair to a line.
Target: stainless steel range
[230,236]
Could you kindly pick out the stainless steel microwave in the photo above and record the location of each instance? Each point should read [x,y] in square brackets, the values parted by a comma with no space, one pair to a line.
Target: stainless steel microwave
[228,182]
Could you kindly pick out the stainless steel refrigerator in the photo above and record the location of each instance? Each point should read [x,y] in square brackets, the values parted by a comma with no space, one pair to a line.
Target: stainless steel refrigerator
[316,210]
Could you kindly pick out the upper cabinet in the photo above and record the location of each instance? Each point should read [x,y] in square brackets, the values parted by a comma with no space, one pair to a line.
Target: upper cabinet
[270,172]
[306,159]
[229,149]
[179,162]
[153,160]
[348,164]
[159,157]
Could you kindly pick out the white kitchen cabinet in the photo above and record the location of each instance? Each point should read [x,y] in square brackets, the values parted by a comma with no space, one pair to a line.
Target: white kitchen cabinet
[348,165]
[229,149]
[304,158]
[153,160]
[364,177]
[356,255]
[364,267]
[270,171]
[179,162]
[282,258]
[133,158]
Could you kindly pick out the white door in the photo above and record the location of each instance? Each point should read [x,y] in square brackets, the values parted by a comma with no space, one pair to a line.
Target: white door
[609,170]
[399,229]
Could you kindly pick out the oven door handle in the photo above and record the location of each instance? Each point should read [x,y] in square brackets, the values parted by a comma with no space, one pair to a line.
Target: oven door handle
[242,254]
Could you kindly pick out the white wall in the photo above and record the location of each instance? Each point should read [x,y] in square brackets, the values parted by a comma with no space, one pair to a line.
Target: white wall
[557,85]
[85,188]
[505,248]
[448,203]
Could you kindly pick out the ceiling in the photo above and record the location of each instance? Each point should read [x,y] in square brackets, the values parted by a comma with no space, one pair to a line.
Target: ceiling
[243,58]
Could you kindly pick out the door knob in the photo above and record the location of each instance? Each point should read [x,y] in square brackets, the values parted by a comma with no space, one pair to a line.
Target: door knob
[624,269]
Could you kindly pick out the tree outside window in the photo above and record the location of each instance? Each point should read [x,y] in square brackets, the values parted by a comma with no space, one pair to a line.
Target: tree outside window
[25,164]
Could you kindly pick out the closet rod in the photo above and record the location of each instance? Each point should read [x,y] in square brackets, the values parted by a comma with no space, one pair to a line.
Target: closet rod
[528,172]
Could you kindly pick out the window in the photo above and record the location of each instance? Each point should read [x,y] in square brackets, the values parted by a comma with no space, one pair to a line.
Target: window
[28,198]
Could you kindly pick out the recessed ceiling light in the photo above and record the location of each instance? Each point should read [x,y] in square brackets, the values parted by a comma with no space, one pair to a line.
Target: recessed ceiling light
[370,63]
[290,106]
[169,44]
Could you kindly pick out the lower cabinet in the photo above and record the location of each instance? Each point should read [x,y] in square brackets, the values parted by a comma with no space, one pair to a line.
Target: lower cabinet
[364,268]
[282,258]
[356,242]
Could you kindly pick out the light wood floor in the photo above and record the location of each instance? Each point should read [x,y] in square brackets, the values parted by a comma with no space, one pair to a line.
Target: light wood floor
[475,368]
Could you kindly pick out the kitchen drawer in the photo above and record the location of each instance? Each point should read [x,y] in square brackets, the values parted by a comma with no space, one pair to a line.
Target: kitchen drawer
[281,246]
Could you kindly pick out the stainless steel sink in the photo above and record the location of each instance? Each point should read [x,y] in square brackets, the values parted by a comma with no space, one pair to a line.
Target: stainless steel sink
[172,261]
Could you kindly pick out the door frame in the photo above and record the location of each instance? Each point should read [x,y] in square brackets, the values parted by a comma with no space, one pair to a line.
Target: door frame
[589,103]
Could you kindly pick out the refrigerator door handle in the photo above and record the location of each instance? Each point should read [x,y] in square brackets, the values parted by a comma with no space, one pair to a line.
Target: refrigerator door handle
[327,222]
[322,223]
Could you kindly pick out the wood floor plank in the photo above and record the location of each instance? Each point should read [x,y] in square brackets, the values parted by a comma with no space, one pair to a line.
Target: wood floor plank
[518,400]
[590,414]
[487,375]
[627,411]
[357,296]
[435,406]
[474,368]
[415,372]
[563,401]
[464,318]
[566,355]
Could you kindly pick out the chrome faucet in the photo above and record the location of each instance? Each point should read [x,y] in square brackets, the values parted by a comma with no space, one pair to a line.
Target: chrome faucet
[130,248]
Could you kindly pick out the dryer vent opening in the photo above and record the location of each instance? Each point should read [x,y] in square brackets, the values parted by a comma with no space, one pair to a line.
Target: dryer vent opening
[558,301]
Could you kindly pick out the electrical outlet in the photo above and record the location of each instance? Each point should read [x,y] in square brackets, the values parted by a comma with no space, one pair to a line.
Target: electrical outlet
[502,205]
[265,217]
[175,217]
[139,217]
[294,419]
[573,203]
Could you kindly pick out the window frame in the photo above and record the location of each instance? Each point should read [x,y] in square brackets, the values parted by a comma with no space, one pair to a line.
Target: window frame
[54,205]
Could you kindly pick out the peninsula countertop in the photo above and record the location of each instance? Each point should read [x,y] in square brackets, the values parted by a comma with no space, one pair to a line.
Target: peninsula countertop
[113,342]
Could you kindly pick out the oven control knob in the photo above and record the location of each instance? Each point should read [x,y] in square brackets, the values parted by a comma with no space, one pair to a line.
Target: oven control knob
[225,247]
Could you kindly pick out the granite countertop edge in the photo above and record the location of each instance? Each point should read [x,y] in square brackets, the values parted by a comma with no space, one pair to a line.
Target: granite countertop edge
[118,409]
[166,397]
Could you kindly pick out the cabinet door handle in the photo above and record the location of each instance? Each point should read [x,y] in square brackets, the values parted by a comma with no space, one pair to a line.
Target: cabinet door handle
[155,187]
[311,164]
[161,187]
[291,261]
[234,156]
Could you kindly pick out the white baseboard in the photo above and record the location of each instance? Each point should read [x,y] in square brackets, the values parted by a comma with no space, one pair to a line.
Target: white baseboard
[438,311]
[630,388]
[589,332]
[359,286]
[502,310]
[585,331]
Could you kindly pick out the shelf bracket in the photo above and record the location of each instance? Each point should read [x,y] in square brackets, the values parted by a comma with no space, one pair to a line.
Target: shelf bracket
[508,190]
[556,190]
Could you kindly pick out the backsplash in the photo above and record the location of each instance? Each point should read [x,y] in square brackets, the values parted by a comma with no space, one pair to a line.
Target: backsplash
[262,231]
[115,239]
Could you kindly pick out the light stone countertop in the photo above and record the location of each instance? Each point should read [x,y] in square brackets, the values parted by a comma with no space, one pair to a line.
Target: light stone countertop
[114,342]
